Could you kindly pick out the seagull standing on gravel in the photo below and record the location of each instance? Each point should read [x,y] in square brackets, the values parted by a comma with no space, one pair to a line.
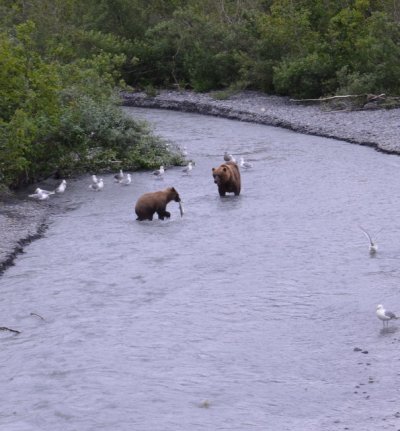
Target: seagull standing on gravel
[373,248]
[384,315]
[126,180]
[61,188]
[245,165]
[97,186]
[188,168]
[40,195]
[229,157]
[119,177]
[159,172]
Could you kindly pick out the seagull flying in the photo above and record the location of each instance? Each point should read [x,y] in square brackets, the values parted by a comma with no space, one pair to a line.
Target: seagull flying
[61,188]
[119,177]
[245,165]
[373,248]
[97,186]
[229,157]
[188,168]
[126,180]
[384,315]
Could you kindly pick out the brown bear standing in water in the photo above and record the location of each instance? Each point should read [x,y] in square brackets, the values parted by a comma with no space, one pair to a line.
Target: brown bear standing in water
[227,178]
[155,202]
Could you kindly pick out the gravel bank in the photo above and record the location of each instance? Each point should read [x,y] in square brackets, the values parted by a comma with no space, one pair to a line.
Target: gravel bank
[378,128]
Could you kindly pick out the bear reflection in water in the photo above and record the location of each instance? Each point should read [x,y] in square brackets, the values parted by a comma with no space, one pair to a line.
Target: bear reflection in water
[156,202]
[227,178]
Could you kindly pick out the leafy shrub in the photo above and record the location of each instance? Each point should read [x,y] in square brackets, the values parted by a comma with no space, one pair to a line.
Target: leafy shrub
[302,77]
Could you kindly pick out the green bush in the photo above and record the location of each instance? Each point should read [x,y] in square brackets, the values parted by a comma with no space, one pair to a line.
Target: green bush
[58,119]
[302,77]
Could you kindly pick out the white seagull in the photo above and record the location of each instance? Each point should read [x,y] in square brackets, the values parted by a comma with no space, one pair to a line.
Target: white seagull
[184,152]
[229,157]
[94,179]
[384,315]
[119,177]
[47,192]
[61,188]
[126,180]
[40,195]
[188,168]
[97,186]
[245,165]
[373,248]
[159,172]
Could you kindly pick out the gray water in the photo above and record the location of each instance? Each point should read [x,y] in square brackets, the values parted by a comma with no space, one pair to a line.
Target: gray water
[242,315]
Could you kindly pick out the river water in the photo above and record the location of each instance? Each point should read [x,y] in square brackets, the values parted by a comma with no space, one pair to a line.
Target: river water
[242,315]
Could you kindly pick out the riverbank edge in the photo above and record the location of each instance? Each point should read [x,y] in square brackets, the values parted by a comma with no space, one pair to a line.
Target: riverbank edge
[21,222]
[278,111]
[19,247]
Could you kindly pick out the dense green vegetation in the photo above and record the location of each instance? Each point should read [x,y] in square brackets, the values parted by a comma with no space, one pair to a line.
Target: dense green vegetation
[61,62]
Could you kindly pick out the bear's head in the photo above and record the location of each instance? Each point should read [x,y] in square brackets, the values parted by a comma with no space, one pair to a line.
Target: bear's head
[221,174]
[173,194]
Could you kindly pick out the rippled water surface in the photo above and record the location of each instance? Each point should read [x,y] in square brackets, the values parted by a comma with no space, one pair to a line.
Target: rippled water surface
[244,314]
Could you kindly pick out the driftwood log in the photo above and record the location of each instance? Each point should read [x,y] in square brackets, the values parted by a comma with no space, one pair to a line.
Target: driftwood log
[4,328]
[354,101]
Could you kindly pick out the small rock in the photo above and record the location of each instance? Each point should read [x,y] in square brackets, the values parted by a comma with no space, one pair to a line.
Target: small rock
[205,404]
[357,349]
[365,352]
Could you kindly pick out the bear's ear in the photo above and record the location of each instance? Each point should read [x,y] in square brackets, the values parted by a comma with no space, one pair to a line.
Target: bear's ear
[213,169]
[173,189]
[224,169]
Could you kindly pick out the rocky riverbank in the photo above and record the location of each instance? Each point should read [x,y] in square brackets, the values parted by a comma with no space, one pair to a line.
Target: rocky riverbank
[379,128]
[22,220]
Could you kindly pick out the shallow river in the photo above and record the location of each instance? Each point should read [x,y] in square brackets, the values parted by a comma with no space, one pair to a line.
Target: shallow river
[242,315]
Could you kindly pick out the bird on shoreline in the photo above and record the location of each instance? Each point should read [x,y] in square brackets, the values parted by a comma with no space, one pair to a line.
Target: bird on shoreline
[119,177]
[47,192]
[245,165]
[40,195]
[159,172]
[188,168]
[97,186]
[373,247]
[95,179]
[384,315]
[229,157]
[61,188]
[126,180]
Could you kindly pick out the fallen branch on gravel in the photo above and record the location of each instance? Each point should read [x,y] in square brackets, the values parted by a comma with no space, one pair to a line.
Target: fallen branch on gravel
[369,97]
[4,328]
[350,102]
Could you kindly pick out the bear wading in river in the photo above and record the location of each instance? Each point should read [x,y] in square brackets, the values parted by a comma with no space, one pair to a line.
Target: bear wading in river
[227,178]
[156,202]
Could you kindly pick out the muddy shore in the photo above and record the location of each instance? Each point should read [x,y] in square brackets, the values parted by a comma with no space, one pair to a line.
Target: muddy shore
[23,220]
